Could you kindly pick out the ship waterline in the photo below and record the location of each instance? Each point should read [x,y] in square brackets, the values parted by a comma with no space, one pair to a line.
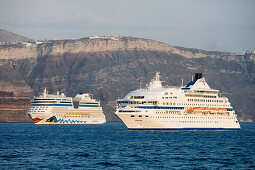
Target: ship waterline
[188,122]
[194,106]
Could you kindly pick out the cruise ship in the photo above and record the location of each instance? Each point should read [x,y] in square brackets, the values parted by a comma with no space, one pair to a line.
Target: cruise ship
[194,106]
[59,109]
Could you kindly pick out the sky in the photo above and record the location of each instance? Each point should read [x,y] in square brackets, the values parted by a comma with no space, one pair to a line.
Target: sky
[219,25]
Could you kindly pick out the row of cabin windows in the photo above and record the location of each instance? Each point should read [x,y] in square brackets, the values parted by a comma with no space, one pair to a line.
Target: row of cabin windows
[210,96]
[194,122]
[136,97]
[166,93]
[139,116]
[169,97]
[168,103]
[79,116]
[185,117]
[196,104]
[203,100]
[52,99]
[79,113]
[199,91]
[43,102]
[137,102]
[199,121]
[191,122]
[205,96]
[40,107]
[168,112]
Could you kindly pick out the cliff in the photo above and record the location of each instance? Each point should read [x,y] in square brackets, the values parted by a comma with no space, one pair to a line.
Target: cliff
[110,67]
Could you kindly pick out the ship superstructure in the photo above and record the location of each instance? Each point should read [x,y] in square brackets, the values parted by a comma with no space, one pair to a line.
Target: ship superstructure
[59,109]
[193,106]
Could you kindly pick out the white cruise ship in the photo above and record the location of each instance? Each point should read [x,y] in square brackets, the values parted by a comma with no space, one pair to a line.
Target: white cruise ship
[59,109]
[194,106]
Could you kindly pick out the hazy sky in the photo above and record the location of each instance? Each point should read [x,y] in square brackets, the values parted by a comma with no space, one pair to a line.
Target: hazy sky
[223,25]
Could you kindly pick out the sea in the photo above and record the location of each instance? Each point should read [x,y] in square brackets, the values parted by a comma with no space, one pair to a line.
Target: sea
[113,146]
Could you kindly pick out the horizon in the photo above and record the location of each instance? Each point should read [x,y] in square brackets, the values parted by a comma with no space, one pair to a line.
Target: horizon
[208,25]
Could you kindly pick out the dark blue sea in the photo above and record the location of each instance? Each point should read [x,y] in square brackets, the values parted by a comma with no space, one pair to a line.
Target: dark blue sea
[112,146]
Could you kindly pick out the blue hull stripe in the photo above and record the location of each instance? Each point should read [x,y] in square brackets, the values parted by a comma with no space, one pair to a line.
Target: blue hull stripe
[184,128]
[62,105]
[159,107]
[89,106]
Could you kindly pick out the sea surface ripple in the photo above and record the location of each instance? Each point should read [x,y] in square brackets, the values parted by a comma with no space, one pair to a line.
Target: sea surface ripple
[112,146]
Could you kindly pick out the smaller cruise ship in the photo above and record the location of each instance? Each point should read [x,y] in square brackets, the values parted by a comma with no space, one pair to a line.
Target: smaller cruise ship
[59,109]
[194,106]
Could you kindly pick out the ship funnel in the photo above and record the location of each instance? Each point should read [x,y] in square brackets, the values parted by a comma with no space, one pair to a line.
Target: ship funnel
[198,76]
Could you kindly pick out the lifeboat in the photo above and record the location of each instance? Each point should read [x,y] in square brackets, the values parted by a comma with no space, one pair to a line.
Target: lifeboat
[212,110]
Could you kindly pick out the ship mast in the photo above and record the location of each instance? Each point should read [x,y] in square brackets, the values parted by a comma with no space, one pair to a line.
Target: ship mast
[157,76]
[45,92]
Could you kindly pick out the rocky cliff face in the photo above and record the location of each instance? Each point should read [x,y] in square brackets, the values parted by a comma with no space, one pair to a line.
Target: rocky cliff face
[110,67]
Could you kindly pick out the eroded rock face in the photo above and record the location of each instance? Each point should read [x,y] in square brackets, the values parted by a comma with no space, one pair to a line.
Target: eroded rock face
[13,75]
[18,51]
[13,109]
[101,44]
[110,67]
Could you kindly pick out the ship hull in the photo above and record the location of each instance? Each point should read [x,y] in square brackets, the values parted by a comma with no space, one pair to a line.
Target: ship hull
[63,119]
[183,129]
[180,122]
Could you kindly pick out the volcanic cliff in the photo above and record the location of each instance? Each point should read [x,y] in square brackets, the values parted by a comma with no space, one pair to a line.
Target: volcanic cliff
[110,67]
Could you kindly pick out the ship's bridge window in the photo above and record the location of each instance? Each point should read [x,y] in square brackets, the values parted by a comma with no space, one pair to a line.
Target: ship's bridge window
[136,97]
[166,93]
